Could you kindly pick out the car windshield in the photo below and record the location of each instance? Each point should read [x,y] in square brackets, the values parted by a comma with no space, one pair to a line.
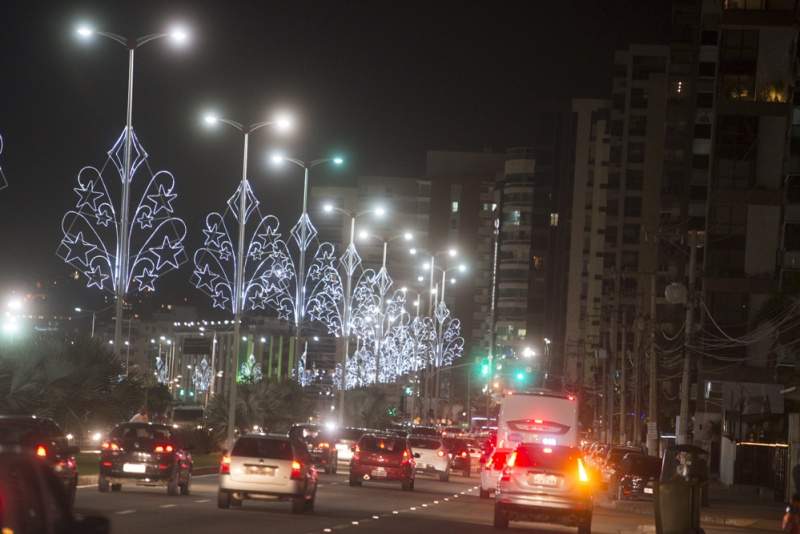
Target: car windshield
[278,449]
[380,444]
[126,433]
[423,443]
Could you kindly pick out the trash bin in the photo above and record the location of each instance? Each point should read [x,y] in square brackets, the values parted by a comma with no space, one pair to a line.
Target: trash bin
[680,490]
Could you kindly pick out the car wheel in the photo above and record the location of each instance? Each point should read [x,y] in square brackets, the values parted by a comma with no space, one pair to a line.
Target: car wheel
[102,484]
[500,517]
[407,485]
[586,526]
[173,487]
[223,499]
[116,487]
[484,493]
[444,477]
[186,487]
[310,502]
[355,482]
[298,505]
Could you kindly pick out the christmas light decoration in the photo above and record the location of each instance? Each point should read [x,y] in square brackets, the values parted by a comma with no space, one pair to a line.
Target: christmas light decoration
[202,376]
[3,181]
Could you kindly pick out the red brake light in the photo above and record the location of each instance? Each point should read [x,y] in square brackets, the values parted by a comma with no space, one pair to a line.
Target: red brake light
[163,448]
[41,451]
[463,454]
[571,397]
[538,421]
[440,452]
[225,465]
[109,446]
[296,466]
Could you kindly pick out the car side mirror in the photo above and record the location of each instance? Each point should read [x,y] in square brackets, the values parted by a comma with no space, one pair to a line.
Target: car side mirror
[417,455]
[92,524]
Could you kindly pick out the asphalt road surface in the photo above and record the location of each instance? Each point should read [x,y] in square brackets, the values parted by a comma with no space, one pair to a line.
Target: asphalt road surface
[433,507]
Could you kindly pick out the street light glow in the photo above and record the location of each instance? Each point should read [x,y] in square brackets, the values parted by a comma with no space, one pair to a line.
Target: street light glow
[462,268]
[380,211]
[210,119]
[277,159]
[84,31]
[452,280]
[363,234]
[179,34]
[408,236]
[412,251]
[452,252]
[338,160]
[283,122]
[77,309]
[420,278]
[528,352]
[14,304]
[327,208]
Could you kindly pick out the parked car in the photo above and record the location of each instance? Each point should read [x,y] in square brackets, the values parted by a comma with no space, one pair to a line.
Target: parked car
[491,471]
[613,457]
[321,445]
[431,457]
[41,437]
[383,458]
[144,454]
[635,477]
[418,430]
[268,466]
[33,499]
[544,484]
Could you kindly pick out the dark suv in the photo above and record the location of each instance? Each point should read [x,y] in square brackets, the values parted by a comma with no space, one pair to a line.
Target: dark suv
[145,454]
[41,437]
[382,458]
[321,445]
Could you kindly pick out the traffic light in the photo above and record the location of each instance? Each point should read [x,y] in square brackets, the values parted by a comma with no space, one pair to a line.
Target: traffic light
[520,376]
[485,369]
[409,391]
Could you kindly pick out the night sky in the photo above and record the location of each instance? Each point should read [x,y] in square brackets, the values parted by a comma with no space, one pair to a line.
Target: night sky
[380,82]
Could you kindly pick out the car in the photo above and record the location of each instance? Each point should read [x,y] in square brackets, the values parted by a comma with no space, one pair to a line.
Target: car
[41,437]
[636,477]
[463,453]
[418,430]
[544,483]
[268,467]
[491,470]
[34,499]
[346,439]
[383,458]
[321,445]
[613,457]
[431,457]
[144,454]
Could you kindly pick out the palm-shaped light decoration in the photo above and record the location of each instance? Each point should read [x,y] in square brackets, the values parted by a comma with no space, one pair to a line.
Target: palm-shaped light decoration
[3,181]
[449,345]
[202,376]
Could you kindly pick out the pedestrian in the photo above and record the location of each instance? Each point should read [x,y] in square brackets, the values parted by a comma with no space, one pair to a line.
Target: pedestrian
[791,519]
[140,416]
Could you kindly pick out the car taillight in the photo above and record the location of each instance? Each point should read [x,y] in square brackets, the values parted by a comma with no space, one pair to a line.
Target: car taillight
[296,474]
[324,445]
[440,453]
[583,475]
[109,446]
[406,457]
[225,465]
[463,454]
[356,453]
[512,459]
[41,451]
[163,448]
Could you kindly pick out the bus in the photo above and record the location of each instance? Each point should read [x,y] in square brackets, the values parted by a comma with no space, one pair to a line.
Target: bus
[540,416]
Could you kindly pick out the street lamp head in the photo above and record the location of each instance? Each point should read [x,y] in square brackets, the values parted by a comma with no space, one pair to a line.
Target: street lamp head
[412,251]
[327,208]
[452,280]
[420,278]
[178,35]
[404,289]
[425,266]
[338,160]
[277,159]
[380,211]
[84,31]
[408,236]
[283,122]
[210,119]
[363,234]
[452,253]
[462,268]
[78,309]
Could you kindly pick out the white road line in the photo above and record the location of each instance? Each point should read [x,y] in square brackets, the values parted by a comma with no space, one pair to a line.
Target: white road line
[376,517]
[413,508]
[126,512]
[326,530]
[395,512]
[202,500]
[354,523]
[168,506]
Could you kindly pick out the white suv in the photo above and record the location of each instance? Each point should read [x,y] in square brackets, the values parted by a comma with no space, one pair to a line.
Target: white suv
[268,467]
[431,456]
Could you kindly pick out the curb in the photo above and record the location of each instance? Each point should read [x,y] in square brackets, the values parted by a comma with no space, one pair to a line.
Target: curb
[89,480]
[705,517]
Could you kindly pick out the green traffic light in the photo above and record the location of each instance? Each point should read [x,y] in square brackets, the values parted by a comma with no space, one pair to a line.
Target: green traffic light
[485,369]
[520,376]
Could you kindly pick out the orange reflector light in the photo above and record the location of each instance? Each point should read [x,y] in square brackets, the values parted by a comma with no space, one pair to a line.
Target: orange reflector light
[41,451]
[583,476]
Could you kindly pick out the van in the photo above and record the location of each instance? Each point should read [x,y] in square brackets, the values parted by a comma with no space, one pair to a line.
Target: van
[544,417]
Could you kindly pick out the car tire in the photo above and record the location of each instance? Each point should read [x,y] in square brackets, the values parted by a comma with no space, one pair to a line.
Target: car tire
[186,487]
[444,477]
[116,488]
[223,500]
[407,485]
[484,494]
[102,484]
[173,487]
[298,505]
[500,517]
[354,482]
[310,502]
[586,526]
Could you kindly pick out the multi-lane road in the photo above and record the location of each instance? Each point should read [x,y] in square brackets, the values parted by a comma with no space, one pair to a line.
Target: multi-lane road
[434,507]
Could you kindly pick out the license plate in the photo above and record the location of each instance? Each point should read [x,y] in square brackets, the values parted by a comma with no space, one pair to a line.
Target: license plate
[134,468]
[648,491]
[379,473]
[260,470]
[540,479]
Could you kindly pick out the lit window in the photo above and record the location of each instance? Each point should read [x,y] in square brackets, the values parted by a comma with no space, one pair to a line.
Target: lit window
[454,206]
[537,262]
[522,332]
[554,219]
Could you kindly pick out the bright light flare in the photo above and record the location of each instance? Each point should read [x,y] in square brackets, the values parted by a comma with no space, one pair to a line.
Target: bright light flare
[380,211]
[178,35]
[277,159]
[452,253]
[363,234]
[408,236]
[412,251]
[284,122]
[327,208]
[210,119]
[14,304]
[462,268]
[84,31]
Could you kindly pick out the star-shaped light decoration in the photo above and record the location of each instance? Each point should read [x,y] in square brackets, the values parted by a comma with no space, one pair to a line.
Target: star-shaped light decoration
[213,236]
[162,200]
[205,278]
[220,300]
[96,277]
[145,220]
[259,301]
[146,280]
[78,249]
[88,196]
[224,253]
[167,254]
[257,252]
[103,217]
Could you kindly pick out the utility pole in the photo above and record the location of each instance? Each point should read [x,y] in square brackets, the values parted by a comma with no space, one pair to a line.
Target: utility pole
[652,404]
[623,390]
[695,241]
[637,377]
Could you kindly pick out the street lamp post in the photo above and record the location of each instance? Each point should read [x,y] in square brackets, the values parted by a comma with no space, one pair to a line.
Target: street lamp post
[350,261]
[177,35]
[304,226]
[238,279]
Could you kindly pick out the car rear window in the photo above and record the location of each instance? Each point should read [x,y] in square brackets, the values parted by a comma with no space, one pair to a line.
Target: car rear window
[556,458]
[455,444]
[141,433]
[421,443]
[18,432]
[379,444]
[278,449]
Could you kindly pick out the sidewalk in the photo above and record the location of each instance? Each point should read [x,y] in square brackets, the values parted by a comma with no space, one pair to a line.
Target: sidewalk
[729,507]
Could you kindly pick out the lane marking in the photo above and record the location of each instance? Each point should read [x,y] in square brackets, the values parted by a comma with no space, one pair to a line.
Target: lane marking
[413,508]
[354,523]
[202,500]
[168,506]
[125,512]
[376,517]
[395,512]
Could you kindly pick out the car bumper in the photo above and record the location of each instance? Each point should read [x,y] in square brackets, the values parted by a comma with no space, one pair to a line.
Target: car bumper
[392,474]
[153,475]
[294,488]
[545,508]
